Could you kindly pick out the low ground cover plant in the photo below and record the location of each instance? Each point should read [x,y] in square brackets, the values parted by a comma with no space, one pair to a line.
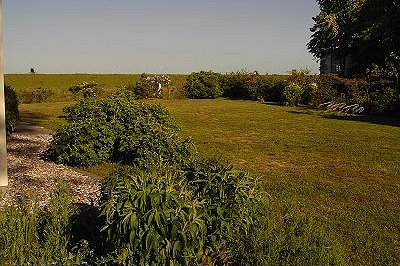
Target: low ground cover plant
[30,235]
[118,129]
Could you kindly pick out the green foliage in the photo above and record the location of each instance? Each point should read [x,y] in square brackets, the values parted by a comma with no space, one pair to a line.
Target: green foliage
[37,95]
[292,94]
[203,84]
[229,196]
[148,86]
[87,89]
[242,84]
[152,219]
[30,235]
[365,30]
[118,129]
[12,112]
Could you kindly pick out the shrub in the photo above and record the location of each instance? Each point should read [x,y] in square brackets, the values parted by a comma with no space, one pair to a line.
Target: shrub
[242,85]
[229,196]
[292,94]
[203,85]
[118,129]
[12,112]
[322,90]
[271,87]
[33,236]
[150,86]
[88,89]
[152,219]
[37,95]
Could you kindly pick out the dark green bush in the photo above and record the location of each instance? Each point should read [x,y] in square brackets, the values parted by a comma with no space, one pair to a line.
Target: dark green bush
[242,85]
[144,88]
[12,112]
[118,129]
[203,84]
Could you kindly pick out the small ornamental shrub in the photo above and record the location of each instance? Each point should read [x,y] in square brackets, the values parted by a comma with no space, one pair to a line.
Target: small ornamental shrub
[150,86]
[292,94]
[12,112]
[118,129]
[87,89]
[203,85]
[152,219]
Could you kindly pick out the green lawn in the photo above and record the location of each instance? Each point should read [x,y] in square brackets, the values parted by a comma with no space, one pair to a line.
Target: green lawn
[343,172]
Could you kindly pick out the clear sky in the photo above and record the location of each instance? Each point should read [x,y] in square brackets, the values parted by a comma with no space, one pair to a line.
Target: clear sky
[157,36]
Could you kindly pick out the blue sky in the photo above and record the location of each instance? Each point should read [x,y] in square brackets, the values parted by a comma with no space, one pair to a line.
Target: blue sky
[170,36]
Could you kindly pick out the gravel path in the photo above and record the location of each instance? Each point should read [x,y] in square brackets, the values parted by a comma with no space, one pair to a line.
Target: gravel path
[27,172]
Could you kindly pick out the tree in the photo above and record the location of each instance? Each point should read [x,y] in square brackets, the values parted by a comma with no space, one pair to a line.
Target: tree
[365,30]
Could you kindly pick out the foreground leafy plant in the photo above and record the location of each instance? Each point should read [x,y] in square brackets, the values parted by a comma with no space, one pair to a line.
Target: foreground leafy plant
[152,219]
[33,236]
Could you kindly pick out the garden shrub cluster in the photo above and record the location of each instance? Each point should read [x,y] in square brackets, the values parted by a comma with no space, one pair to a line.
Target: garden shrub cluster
[118,129]
[38,95]
[163,205]
[12,112]
[203,84]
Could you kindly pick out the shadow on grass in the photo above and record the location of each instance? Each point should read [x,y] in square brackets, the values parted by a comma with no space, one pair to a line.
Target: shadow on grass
[373,119]
[390,120]
[33,117]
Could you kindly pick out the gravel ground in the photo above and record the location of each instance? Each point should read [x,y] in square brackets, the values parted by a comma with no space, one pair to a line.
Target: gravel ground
[28,172]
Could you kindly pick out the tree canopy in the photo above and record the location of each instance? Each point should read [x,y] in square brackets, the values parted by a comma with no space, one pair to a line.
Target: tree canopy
[366,30]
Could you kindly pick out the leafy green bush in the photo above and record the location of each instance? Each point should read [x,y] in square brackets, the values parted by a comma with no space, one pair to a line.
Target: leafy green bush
[203,85]
[88,89]
[152,219]
[242,85]
[37,95]
[12,112]
[118,129]
[30,235]
[229,196]
[292,94]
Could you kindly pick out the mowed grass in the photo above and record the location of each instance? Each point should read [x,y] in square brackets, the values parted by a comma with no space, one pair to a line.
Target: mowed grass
[345,173]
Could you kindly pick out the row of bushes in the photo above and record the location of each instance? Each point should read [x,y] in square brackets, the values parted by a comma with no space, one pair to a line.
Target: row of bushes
[377,93]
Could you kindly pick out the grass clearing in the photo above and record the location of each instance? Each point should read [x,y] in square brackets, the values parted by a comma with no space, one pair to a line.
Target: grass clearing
[343,172]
